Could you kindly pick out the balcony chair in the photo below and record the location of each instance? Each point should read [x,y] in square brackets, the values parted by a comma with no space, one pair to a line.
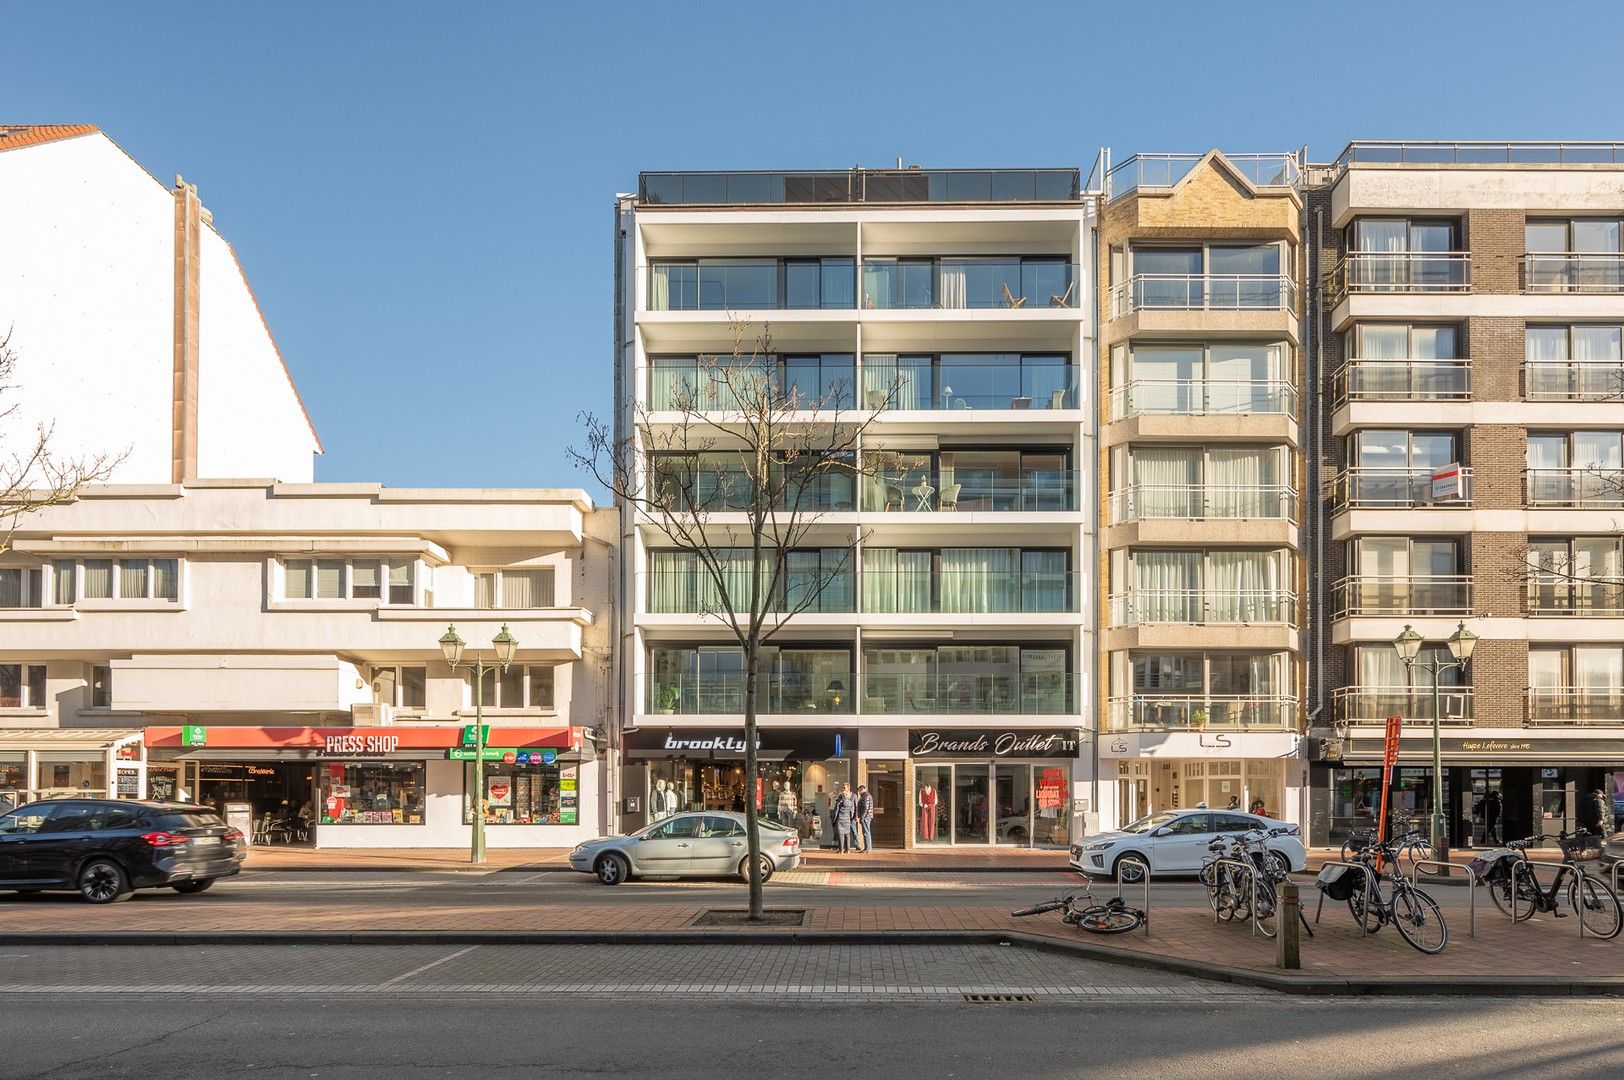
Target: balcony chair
[893,497]
[1012,301]
[1057,399]
[950,497]
[1062,299]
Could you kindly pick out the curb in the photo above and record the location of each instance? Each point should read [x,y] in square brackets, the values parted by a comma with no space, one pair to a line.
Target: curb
[1306,985]
[562,868]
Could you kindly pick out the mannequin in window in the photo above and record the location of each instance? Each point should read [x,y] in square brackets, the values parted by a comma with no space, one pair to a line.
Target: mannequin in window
[927,812]
[788,805]
[664,802]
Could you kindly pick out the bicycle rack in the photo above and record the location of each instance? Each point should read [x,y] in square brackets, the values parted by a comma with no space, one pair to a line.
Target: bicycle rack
[1251,880]
[1319,908]
[1471,888]
[1613,873]
[1144,878]
[1519,865]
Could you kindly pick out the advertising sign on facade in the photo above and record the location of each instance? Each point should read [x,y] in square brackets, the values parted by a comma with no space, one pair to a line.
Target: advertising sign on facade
[1446,482]
[929,742]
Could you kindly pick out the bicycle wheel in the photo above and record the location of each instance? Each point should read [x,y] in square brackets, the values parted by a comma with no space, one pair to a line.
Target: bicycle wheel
[1222,895]
[1421,852]
[1372,918]
[1419,920]
[1267,907]
[1500,893]
[1101,920]
[1599,910]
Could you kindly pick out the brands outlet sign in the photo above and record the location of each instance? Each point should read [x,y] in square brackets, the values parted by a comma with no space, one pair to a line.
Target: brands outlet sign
[1050,743]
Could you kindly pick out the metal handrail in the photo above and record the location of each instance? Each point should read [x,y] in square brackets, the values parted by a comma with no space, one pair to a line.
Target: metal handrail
[1367,875]
[1392,488]
[1471,890]
[1545,272]
[1572,705]
[1377,594]
[1360,379]
[1241,607]
[1479,152]
[1407,273]
[1204,397]
[1207,501]
[1400,700]
[1216,709]
[1127,296]
[1144,880]
[1162,171]
[1578,487]
[1578,380]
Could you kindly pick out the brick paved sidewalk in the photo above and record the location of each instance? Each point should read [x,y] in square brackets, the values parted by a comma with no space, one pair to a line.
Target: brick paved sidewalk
[286,857]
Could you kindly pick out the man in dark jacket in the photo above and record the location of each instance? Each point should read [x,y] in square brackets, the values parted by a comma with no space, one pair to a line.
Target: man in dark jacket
[864,832]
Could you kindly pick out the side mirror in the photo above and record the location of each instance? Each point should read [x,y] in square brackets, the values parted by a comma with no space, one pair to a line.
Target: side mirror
[1163,831]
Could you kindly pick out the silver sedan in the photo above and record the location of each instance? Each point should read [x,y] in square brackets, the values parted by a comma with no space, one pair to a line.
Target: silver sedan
[707,844]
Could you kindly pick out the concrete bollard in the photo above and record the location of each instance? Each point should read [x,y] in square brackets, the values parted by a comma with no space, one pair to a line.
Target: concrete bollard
[1287,943]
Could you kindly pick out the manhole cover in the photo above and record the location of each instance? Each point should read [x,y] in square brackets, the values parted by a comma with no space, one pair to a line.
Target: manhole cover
[741,917]
[998,999]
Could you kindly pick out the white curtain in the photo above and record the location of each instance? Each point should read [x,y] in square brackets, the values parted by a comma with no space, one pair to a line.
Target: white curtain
[659,288]
[896,581]
[952,285]
[980,579]
[886,381]
[295,573]
[1243,586]
[1166,586]
[527,588]
[1165,484]
[1243,484]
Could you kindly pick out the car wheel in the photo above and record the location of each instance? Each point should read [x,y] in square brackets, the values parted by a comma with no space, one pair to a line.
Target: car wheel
[1134,870]
[613,869]
[102,881]
[187,888]
[766,868]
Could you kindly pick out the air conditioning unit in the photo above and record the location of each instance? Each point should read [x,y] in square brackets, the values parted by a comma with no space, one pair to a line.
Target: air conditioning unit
[372,715]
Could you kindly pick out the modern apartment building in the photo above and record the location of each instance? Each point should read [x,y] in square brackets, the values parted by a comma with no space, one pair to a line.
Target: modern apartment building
[1472,303]
[265,644]
[950,669]
[1201,465]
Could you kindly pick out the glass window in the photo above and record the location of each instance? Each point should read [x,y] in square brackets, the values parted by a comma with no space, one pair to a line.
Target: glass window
[1545,236]
[132,579]
[364,583]
[1191,825]
[101,686]
[26,821]
[330,579]
[61,771]
[297,578]
[63,577]
[679,828]
[22,686]
[413,687]
[20,587]
[372,793]
[525,794]
[98,579]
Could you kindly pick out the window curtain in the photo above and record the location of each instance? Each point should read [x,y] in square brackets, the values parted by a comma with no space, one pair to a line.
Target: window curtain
[296,584]
[953,287]
[879,284]
[1165,484]
[1243,586]
[886,381]
[132,579]
[659,287]
[896,581]
[980,579]
[1238,379]
[1044,581]
[527,588]
[1378,238]
[330,579]
[1166,380]
[1243,484]
[1166,586]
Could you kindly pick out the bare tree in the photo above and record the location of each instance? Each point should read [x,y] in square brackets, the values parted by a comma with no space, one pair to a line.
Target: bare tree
[32,476]
[737,466]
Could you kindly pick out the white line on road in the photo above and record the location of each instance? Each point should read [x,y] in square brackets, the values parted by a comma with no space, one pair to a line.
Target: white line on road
[425,967]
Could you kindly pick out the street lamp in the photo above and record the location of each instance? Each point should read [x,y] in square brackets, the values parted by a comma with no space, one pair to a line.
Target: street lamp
[1460,643]
[505,645]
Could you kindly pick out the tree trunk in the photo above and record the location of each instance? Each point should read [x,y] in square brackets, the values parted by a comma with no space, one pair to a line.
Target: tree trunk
[753,839]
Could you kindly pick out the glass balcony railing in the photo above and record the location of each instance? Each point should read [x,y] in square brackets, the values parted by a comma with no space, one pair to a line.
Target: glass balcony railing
[1401,272]
[1428,595]
[774,188]
[983,283]
[1430,152]
[1198,606]
[1573,272]
[1551,595]
[1152,171]
[921,693]
[961,492]
[1221,712]
[707,388]
[1200,502]
[1203,292]
[692,592]
[1575,705]
[970,592]
[1405,380]
[969,387]
[1374,704]
[752,285]
[1372,488]
[1588,487]
[1203,397]
[1573,380]
[721,489]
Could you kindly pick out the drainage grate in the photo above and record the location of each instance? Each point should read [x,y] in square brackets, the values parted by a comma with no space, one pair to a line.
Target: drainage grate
[998,999]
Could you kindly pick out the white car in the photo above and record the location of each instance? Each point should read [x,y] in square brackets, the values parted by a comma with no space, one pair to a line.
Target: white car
[1175,842]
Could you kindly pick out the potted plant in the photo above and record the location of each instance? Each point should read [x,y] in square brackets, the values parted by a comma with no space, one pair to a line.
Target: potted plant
[1198,718]
[666,700]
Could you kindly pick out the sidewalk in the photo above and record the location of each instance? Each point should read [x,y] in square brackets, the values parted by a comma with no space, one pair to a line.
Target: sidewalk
[279,857]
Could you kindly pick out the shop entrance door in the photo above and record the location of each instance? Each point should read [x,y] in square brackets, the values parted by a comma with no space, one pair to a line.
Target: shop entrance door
[889,820]
[971,816]
[1013,794]
[1555,803]
[1482,809]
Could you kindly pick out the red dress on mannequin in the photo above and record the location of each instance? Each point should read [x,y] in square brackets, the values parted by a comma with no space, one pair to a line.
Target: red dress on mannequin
[927,813]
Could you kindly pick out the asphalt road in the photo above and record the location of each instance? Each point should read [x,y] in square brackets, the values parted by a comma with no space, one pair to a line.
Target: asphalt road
[673,1037]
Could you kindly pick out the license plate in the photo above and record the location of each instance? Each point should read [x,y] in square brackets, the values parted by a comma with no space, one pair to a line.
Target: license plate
[205,841]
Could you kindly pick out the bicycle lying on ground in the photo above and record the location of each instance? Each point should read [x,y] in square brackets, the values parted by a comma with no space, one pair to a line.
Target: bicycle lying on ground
[1111,917]
[1588,896]
[1417,916]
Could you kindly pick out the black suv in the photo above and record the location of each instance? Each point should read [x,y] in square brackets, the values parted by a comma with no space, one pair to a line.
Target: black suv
[106,848]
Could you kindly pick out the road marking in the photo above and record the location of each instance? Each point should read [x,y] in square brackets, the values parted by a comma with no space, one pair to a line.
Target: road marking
[425,967]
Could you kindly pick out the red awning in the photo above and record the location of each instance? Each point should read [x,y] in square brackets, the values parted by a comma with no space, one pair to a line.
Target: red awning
[356,740]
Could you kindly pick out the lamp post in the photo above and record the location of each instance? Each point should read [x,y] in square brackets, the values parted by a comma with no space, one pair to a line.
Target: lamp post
[505,645]
[1460,643]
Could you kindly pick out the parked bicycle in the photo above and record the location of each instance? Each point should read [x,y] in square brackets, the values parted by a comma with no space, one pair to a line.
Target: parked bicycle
[1229,872]
[1417,916]
[1588,896]
[1412,845]
[1079,910]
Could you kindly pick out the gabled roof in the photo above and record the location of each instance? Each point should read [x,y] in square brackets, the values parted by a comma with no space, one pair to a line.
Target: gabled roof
[13,136]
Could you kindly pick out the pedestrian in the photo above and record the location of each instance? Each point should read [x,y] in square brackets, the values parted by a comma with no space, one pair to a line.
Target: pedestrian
[864,831]
[1258,808]
[1603,811]
[1234,803]
[844,816]
[1491,817]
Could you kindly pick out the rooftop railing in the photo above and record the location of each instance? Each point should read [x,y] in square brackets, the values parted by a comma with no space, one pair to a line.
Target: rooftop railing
[1378,152]
[796,187]
[1151,171]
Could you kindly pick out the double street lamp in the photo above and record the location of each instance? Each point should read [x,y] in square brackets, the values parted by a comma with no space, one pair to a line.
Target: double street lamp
[1460,645]
[504,645]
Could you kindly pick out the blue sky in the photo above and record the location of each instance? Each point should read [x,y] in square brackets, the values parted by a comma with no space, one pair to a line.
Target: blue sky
[422,192]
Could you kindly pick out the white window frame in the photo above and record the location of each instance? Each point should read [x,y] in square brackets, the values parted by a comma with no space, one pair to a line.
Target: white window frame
[498,593]
[76,565]
[397,699]
[383,563]
[527,683]
[34,586]
[25,696]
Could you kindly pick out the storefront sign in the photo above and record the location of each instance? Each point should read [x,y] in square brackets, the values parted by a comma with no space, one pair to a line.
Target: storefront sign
[127,784]
[350,745]
[194,735]
[1458,747]
[511,755]
[992,743]
[339,741]
[811,744]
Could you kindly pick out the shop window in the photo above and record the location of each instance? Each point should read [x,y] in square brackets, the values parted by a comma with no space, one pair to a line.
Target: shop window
[372,793]
[525,794]
[514,588]
[13,773]
[521,686]
[22,686]
[66,772]
[352,579]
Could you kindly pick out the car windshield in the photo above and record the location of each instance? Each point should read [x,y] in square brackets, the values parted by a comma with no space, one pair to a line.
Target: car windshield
[1154,821]
[186,819]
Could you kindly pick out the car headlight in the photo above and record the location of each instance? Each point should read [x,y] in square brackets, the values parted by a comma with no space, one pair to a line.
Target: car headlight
[1098,845]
